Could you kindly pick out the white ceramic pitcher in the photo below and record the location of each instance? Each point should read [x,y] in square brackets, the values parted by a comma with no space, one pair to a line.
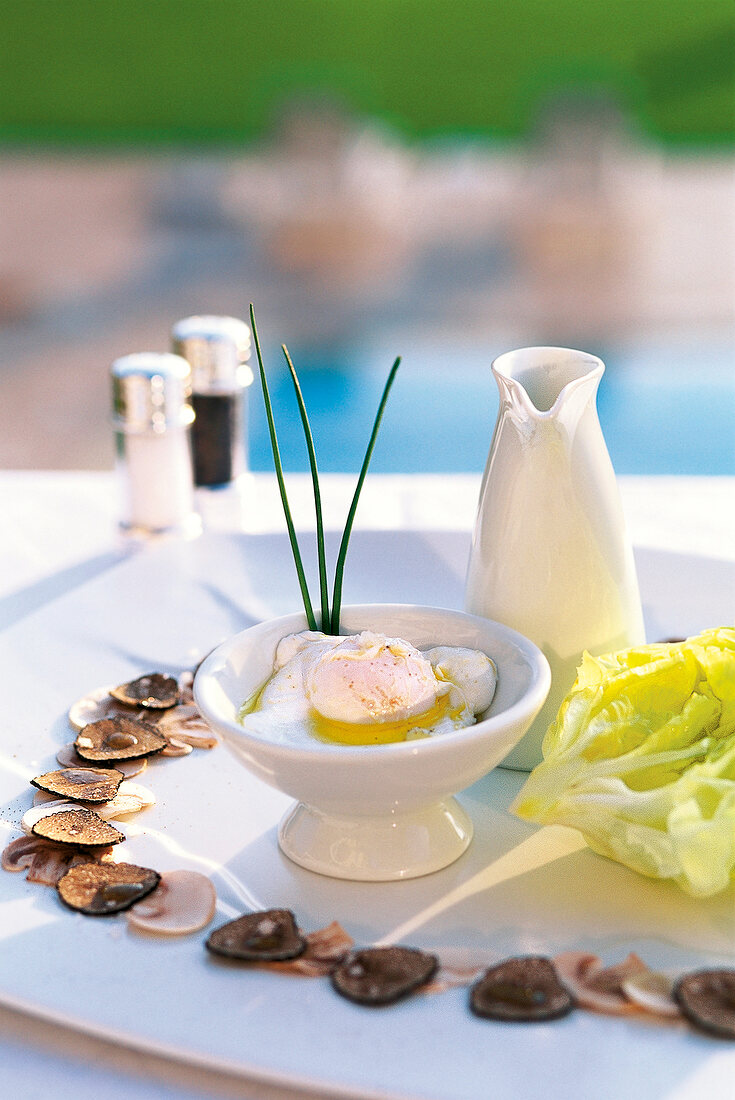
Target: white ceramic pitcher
[550,554]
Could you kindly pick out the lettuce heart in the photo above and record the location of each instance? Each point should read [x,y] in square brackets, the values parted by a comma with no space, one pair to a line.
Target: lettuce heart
[641,759]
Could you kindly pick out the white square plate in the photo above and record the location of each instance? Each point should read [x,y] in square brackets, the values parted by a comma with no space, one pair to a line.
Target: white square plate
[518,889]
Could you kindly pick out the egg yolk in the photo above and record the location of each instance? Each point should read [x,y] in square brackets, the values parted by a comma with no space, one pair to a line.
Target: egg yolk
[381,733]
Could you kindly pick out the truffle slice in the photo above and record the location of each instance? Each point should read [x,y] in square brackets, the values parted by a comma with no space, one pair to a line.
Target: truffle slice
[524,989]
[68,757]
[82,827]
[383,975]
[113,739]
[99,889]
[154,691]
[81,784]
[268,936]
[707,999]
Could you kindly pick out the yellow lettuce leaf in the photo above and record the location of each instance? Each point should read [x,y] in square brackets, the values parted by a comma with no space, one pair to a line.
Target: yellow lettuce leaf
[641,759]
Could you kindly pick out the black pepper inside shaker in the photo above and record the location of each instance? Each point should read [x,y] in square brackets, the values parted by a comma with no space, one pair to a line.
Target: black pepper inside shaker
[218,349]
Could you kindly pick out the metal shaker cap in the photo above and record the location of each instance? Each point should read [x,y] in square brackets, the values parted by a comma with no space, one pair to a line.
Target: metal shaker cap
[218,349]
[151,391]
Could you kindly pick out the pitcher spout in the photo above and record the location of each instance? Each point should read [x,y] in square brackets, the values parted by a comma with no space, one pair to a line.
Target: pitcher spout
[539,382]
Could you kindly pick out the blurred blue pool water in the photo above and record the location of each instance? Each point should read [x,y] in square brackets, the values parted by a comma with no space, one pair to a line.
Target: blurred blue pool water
[663,411]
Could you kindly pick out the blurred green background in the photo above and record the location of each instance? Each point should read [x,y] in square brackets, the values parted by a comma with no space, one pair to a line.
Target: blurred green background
[444,179]
[215,71]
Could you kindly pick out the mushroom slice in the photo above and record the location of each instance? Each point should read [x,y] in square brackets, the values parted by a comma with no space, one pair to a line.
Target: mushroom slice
[325,950]
[96,705]
[327,946]
[44,861]
[68,757]
[19,854]
[82,784]
[653,992]
[78,826]
[153,691]
[44,809]
[176,748]
[524,989]
[267,936]
[707,999]
[113,739]
[130,798]
[100,889]
[183,902]
[599,987]
[383,975]
[184,724]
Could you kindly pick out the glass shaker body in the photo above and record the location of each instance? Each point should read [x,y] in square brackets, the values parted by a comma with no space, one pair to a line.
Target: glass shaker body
[217,348]
[152,417]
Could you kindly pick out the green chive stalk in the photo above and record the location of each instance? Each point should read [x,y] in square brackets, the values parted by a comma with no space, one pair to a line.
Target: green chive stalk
[341,557]
[323,587]
[281,483]
[329,620]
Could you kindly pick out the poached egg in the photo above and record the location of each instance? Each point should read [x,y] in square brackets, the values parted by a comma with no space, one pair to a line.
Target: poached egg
[367,689]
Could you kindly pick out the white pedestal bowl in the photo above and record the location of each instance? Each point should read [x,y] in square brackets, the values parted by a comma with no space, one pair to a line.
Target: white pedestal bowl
[377,812]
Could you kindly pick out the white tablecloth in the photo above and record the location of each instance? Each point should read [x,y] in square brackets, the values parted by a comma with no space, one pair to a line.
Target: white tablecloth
[60,529]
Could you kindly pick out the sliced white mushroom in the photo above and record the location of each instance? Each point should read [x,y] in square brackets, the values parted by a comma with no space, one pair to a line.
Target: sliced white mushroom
[96,705]
[596,986]
[130,798]
[68,757]
[18,855]
[652,991]
[185,725]
[324,949]
[44,861]
[175,748]
[183,902]
[50,864]
[36,812]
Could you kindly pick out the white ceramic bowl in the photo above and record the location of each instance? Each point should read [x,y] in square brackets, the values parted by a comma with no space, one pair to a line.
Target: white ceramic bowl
[377,812]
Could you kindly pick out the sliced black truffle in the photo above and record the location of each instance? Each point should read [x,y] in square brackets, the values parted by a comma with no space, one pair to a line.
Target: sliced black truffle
[99,889]
[82,827]
[81,784]
[268,936]
[707,999]
[155,691]
[524,989]
[382,975]
[113,739]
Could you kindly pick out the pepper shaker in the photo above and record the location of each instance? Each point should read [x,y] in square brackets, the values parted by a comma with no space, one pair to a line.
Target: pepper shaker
[218,349]
[152,417]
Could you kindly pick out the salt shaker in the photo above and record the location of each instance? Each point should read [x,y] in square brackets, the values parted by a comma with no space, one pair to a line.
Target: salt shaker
[152,417]
[218,349]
